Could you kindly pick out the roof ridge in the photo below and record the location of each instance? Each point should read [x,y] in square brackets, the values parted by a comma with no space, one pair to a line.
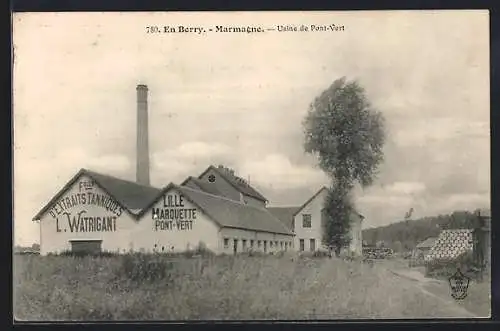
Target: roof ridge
[227,176]
[237,203]
[90,172]
[214,195]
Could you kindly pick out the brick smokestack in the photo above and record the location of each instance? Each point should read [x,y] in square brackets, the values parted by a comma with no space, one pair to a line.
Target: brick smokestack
[142,152]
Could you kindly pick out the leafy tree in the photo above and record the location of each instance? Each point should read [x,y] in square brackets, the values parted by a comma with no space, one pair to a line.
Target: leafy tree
[347,135]
[336,234]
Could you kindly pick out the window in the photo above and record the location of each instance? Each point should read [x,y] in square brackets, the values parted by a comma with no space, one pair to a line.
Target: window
[226,243]
[244,244]
[312,244]
[306,220]
[276,244]
[265,246]
[251,243]
[301,241]
[270,244]
[281,244]
[259,244]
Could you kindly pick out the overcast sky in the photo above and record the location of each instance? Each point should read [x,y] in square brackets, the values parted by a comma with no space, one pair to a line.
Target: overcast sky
[239,99]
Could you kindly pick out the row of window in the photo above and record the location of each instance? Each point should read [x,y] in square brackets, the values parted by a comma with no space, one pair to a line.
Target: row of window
[259,244]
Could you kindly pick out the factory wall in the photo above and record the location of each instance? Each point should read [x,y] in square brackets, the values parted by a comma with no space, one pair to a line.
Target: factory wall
[313,211]
[85,212]
[247,240]
[179,225]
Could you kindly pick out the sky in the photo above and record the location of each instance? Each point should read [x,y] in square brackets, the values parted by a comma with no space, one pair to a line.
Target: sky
[238,99]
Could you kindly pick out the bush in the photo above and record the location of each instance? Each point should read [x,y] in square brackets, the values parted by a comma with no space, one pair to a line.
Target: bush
[446,268]
[224,287]
[256,253]
[200,250]
[140,267]
[321,254]
[84,254]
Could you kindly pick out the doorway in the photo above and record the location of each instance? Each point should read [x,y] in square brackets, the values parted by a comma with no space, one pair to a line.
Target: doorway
[86,246]
[235,246]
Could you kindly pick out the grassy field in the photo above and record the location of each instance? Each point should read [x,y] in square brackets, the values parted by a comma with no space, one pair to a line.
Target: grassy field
[138,287]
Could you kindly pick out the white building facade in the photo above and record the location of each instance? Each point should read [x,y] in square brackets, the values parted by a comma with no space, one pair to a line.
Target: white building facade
[96,212]
[306,222]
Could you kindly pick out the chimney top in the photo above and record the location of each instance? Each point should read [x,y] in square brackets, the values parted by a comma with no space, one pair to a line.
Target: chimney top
[142,87]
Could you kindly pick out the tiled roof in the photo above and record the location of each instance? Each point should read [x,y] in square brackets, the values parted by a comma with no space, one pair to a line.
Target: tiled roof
[427,243]
[129,195]
[233,214]
[450,245]
[284,214]
[204,186]
[237,182]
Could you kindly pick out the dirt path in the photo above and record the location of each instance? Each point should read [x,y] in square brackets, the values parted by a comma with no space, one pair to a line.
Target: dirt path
[434,288]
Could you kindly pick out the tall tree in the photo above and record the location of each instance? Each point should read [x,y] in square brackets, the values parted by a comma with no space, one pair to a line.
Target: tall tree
[347,135]
[338,207]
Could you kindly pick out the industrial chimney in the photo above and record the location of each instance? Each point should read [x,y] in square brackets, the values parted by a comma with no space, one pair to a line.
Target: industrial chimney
[142,153]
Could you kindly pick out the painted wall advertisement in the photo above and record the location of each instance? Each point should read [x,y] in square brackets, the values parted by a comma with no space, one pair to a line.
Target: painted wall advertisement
[174,215]
[75,212]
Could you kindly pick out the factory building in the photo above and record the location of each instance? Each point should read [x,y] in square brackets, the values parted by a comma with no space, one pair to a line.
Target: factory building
[306,222]
[216,210]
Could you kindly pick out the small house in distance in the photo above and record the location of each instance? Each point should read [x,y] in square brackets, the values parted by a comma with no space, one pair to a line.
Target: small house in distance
[425,246]
[421,251]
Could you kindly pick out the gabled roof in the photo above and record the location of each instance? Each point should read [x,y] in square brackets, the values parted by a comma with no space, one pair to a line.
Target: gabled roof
[309,200]
[427,243]
[450,245]
[237,182]
[284,214]
[130,195]
[313,197]
[226,212]
[204,186]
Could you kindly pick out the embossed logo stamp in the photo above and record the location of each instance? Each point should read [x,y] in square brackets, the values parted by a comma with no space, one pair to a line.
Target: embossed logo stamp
[459,285]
